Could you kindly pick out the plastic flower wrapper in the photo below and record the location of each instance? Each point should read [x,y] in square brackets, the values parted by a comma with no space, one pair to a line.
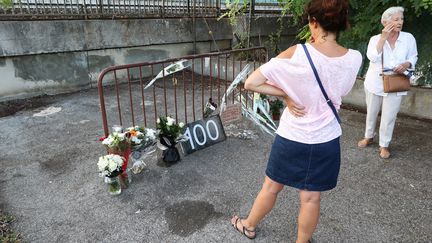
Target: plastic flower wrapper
[210,107]
[143,142]
[110,165]
[172,68]
[266,124]
[143,153]
[138,158]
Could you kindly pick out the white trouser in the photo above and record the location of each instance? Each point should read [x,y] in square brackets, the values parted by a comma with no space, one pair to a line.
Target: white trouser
[389,106]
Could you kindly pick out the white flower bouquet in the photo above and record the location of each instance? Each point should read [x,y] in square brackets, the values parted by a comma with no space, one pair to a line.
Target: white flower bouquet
[168,128]
[110,165]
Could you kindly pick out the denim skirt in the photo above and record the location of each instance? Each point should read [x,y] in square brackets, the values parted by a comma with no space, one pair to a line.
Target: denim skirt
[311,167]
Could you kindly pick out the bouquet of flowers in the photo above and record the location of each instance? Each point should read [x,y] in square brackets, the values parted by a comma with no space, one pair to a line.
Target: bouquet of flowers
[141,137]
[117,142]
[168,128]
[134,140]
[170,133]
[142,142]
[110,165]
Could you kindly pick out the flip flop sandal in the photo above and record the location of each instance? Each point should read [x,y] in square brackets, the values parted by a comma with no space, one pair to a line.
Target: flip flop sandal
[243,230]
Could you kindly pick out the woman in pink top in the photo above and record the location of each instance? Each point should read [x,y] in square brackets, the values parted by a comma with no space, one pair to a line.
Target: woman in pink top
[306,151]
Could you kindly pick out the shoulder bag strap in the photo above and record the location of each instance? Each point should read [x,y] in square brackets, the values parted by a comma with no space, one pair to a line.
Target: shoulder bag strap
[382,63]
[329,102]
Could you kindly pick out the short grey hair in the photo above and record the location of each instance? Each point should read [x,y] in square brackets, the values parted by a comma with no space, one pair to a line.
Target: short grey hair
[390,11]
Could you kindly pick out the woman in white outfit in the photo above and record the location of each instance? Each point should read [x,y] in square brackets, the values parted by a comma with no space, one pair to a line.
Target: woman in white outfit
[399,50]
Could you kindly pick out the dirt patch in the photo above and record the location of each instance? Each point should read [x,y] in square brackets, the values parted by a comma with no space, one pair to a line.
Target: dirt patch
[8,108]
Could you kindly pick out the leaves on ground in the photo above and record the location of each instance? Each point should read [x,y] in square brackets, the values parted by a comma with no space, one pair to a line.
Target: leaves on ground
[6,234]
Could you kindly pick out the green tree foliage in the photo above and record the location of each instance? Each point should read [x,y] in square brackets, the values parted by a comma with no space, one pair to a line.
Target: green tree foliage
[6,4]
[235,8]
[365,20]
[365,14]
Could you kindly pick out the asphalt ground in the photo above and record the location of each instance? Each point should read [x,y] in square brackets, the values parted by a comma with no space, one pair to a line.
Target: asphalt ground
[49,182]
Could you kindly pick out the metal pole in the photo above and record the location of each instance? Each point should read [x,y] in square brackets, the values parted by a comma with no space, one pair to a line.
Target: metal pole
[194,27]
[251,9]
[188,7]
[101,7]
[163,8]
[218,8]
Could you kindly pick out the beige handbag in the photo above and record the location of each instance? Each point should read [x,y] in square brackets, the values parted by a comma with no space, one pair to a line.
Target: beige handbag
[394,82]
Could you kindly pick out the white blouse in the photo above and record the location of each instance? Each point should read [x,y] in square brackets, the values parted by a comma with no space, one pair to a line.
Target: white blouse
[405,50]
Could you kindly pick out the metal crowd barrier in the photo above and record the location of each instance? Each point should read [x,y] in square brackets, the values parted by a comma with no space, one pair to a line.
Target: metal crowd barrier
[125,101]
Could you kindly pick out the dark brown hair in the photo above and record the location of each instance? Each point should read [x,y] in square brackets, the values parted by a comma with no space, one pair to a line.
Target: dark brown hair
[332,15]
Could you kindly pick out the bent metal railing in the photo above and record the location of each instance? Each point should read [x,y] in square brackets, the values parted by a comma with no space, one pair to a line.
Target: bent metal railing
[181,95]
[107,8]
[102,9]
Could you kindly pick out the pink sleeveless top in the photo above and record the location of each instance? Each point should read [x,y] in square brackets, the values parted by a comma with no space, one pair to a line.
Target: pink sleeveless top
[295,77]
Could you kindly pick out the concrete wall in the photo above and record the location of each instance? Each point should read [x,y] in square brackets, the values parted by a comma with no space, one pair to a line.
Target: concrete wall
[35,37]
[417,103]
[52,57]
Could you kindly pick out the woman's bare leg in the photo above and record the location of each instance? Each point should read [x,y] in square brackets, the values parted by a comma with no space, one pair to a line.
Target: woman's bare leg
[308,216]
[264,202]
